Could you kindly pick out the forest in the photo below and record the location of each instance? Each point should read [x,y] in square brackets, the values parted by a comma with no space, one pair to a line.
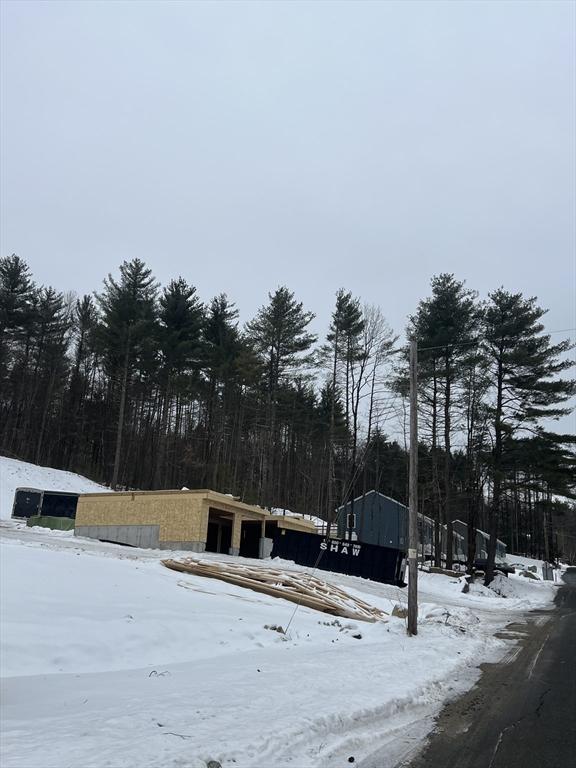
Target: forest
[146,386]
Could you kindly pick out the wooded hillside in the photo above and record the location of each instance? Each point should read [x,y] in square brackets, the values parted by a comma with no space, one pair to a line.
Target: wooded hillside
[142,386]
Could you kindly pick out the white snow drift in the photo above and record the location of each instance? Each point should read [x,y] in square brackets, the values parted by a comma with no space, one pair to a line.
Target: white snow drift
[109,660]
[19,474]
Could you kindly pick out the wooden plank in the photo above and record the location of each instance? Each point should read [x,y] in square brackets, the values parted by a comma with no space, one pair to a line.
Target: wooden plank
[314,594]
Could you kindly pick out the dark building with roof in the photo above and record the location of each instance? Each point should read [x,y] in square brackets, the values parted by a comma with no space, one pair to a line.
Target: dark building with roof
[376,519]
[33,502]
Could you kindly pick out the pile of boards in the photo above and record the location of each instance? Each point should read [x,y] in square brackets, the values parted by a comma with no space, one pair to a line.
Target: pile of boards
[296,586]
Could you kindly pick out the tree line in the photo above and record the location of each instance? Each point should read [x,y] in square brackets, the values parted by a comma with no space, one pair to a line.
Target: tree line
[143,386]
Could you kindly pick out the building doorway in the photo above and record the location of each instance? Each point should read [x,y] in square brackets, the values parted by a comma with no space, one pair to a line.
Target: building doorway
[219,534]
[250,535]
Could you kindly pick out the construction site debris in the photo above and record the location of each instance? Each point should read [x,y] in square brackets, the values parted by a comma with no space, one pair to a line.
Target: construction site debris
[298,587]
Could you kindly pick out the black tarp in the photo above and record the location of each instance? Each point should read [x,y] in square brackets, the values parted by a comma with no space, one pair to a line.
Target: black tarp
[354,558]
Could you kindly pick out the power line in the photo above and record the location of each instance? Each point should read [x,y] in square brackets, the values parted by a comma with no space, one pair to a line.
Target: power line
[476,341]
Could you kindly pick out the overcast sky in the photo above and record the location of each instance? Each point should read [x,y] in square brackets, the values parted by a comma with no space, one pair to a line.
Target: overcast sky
[317,145]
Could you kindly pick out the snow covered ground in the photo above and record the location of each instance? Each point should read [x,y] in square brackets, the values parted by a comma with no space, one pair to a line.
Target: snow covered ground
[110,660]
[20,474]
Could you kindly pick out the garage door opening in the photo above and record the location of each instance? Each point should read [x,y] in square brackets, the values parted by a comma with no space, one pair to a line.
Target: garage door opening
[271,528]
[219,537]
[250,536]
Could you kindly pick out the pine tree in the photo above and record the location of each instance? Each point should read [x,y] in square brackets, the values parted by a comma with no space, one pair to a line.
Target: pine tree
[279,334]
[280,337]
[16,291]
[223,348]
[181,320]
[524,368]
[474,390]
[17,299]
[222,340]
[341,350]
[544,466]
[445,326]
[127,332]
[345,342]
[84,323]
[51,362]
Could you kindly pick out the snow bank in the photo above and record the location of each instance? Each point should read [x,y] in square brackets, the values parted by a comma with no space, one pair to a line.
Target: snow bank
[20,474]
[110,660]
[527,593]
[179,654]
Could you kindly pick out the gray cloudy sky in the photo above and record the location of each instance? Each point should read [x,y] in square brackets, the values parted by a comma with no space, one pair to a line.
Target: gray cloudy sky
[318,145]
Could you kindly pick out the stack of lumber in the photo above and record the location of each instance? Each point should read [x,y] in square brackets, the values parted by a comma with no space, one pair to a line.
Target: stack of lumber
[295,586]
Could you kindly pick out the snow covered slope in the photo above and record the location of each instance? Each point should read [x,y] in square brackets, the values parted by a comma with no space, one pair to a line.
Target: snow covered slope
[110,660]
[20,474]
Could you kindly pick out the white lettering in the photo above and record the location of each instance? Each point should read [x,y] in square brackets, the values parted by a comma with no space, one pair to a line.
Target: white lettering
[344,549]
[356,549]
[323,545]
[333,546]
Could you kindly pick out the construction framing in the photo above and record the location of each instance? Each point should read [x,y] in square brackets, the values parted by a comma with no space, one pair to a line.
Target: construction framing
[196,520]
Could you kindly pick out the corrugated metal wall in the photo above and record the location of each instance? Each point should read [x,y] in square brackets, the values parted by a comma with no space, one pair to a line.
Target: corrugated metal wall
[379,520]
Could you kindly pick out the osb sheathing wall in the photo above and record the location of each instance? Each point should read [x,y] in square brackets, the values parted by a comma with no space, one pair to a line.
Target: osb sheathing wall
[294,523]
[180,517]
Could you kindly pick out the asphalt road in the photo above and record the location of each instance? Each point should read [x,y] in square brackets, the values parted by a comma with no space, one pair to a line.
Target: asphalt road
[520,714]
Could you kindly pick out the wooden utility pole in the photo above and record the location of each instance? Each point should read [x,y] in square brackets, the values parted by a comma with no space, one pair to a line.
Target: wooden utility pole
[413,496]
[120,426]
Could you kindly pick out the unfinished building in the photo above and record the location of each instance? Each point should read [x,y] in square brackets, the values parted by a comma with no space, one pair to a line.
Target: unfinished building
[198,521]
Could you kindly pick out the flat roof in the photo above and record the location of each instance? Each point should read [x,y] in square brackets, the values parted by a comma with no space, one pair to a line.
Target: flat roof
[215,496]
[51,491]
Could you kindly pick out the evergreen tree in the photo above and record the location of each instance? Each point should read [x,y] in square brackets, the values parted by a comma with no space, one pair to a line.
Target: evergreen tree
[524,368]
[181,320]
[84,323]
[16,292]
[341,350]
[344,343]
[544,466]
[127,331]
[445,326]
[193,401]
[17,298]
[222,340]
[223,349]
[51,362]
[475,386]
[279,334]
[387,467]
[280,337]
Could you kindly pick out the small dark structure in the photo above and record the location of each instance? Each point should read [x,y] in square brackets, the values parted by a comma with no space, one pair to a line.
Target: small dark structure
[482,542]
[384,564]
[376,519]
[35,502]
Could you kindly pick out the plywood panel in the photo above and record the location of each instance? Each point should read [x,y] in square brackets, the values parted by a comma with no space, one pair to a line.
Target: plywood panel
[180,518]
[180,515]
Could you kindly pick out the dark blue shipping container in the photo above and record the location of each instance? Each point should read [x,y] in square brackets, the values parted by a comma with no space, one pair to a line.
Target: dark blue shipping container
[368,561]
